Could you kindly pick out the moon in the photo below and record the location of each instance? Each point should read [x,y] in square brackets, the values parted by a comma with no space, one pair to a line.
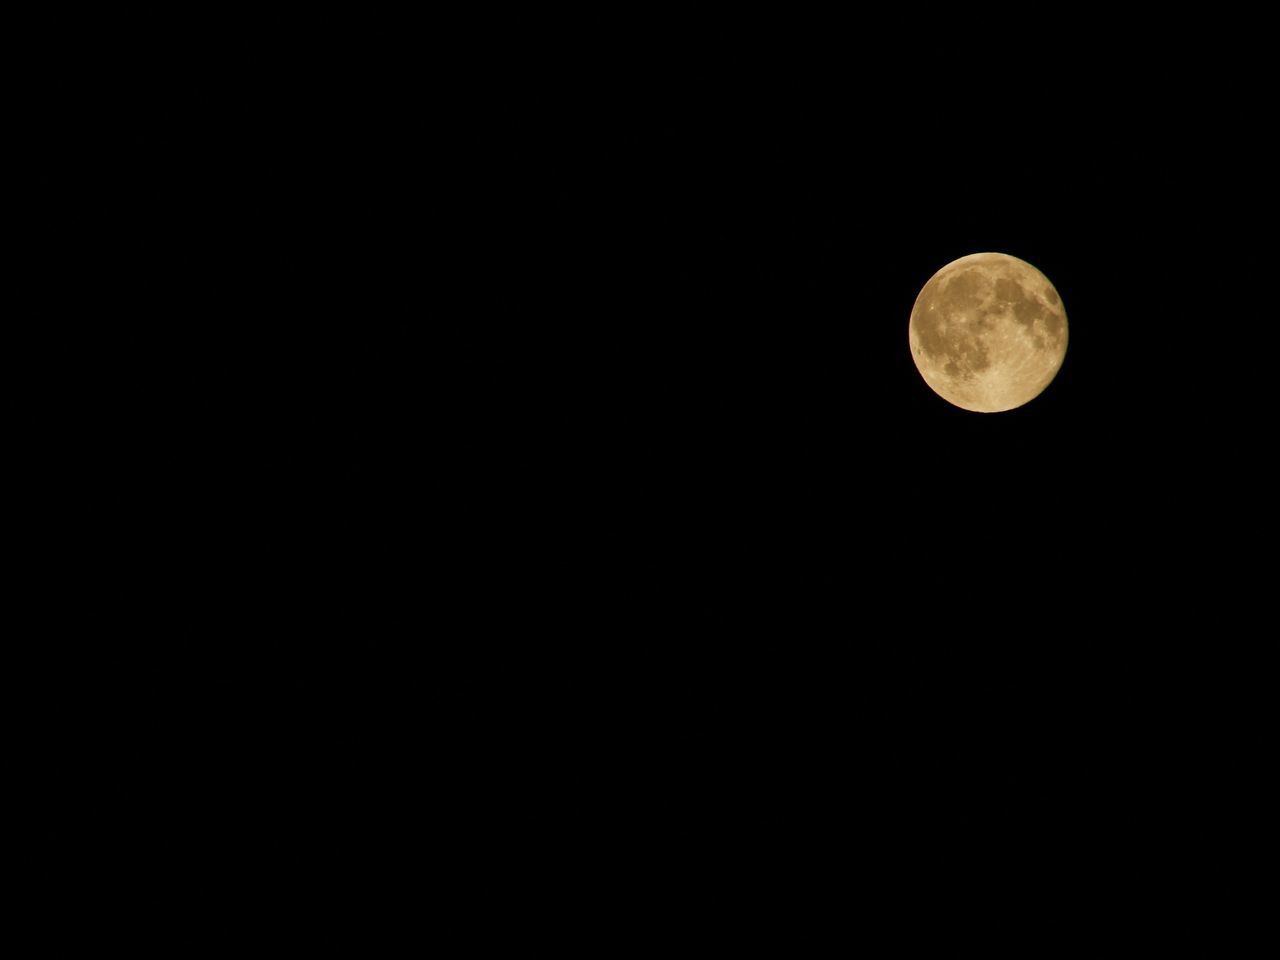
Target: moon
[988,332]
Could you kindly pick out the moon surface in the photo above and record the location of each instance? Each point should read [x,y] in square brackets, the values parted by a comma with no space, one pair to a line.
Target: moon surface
[988,332]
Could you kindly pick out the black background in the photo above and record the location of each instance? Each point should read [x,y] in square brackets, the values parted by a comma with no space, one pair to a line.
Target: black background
[516,487]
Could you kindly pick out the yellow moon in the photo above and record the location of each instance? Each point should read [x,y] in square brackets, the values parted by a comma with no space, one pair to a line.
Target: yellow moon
[988,332]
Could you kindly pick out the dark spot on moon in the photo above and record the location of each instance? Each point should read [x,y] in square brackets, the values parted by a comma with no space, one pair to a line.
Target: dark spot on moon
[1053,322]
[973,355]
[1012,295]
[1007,291]
[963,290]
[1026,309]
[959,344]
[1038,341]
[1051,295]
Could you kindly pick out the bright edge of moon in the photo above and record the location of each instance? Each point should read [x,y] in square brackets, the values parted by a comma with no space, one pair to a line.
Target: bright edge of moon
[988,332]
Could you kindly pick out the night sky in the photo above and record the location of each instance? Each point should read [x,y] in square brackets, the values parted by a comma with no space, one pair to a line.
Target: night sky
[529,490]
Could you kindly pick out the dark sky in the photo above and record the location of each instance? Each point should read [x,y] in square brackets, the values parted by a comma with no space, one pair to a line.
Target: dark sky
[533,466]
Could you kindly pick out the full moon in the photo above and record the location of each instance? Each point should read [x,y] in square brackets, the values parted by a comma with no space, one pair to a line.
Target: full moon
[988,332]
